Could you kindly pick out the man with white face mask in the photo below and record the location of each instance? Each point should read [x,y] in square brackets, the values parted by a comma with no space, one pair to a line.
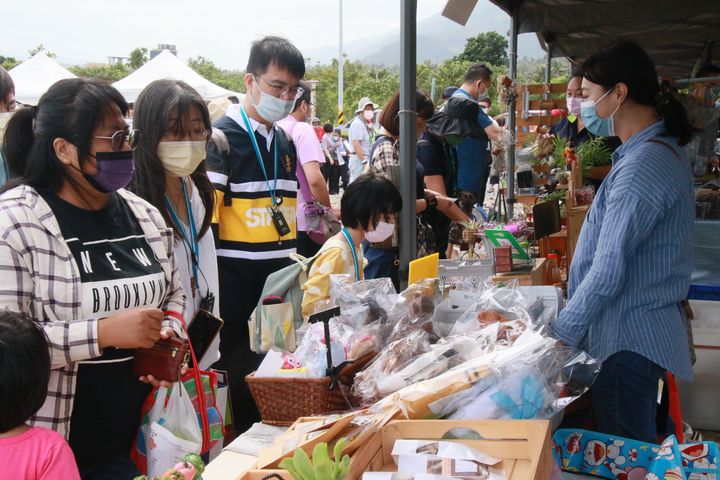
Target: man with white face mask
[7,107]
[359,136]
[256,192]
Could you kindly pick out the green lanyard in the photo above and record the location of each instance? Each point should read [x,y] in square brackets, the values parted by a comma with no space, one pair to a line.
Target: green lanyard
[354,254]
[251,134]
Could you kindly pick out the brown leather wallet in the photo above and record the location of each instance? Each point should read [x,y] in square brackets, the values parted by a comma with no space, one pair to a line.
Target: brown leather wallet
[163,361]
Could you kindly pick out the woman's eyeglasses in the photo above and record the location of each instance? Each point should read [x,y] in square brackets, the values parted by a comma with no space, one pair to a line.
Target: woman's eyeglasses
[120,137]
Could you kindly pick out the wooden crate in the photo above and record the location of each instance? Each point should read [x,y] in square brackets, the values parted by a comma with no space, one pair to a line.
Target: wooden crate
[534,277]
[523,446]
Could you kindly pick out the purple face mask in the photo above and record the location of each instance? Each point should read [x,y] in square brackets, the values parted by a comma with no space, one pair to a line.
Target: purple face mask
[114,171]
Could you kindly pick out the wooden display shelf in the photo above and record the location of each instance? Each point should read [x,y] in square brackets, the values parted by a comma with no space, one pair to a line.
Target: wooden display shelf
[536,276]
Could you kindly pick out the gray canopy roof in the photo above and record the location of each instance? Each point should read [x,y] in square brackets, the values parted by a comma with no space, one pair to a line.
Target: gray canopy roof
[673,32]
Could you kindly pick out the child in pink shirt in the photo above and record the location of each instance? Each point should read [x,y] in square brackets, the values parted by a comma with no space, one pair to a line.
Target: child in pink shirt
[27,453]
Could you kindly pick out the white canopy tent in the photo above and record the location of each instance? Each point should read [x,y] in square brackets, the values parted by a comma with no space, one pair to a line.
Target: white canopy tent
[34,76]
[168,66]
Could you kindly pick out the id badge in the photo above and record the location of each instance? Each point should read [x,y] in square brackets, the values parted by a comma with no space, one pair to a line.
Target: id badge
[279,221]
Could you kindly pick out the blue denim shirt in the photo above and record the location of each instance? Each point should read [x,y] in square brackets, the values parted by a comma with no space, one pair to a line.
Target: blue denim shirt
[632,263]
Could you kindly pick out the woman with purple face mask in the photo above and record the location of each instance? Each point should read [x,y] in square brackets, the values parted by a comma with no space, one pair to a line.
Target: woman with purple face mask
[92,263]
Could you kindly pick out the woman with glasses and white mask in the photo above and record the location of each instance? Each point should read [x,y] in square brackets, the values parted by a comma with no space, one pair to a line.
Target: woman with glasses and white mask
[170,174]
[91,262]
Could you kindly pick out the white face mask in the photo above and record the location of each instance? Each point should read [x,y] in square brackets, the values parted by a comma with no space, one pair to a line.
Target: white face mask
[382,232]
[272,109]
[181,159]
[369,115]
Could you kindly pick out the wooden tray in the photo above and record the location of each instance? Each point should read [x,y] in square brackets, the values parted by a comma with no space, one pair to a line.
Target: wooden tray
[523,445]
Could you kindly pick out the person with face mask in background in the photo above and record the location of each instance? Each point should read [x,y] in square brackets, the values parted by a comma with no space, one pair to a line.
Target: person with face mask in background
[170,174]
[7,107]
[368,210]
[93,265]
[572,126]
[360,139]
[256,190]
[472,158]
[310,163]
[329,144]
[632,264]
[343,151]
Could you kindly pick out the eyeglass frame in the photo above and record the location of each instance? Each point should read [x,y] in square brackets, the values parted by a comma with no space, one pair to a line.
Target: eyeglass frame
[131,138]
[298,94]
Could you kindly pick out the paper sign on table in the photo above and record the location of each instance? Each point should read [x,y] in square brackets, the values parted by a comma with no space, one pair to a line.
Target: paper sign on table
[425,267]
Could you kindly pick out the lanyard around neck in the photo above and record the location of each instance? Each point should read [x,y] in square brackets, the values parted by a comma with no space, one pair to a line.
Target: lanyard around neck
[253,140]
[190,238]
[354,254]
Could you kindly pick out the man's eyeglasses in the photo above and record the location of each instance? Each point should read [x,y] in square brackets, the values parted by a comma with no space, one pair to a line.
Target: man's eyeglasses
[120,137]
[282,90]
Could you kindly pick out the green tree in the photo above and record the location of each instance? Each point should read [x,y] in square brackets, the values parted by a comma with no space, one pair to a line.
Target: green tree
[138,57]
[230,79]
[486,47]
[41,48]
[8,62]
[112,73]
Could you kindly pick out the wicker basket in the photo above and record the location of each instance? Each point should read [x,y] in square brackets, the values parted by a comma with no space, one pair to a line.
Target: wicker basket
[281,401]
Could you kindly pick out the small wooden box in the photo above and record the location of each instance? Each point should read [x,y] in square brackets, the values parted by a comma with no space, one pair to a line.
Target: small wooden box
[523,445]
[534,277]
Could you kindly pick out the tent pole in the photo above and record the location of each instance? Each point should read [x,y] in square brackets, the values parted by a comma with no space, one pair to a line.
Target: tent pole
[548,68]
[514,23]
[341,62]
[408,138]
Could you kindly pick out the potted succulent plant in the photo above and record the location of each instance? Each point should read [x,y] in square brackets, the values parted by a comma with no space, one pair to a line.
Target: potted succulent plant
[595,158]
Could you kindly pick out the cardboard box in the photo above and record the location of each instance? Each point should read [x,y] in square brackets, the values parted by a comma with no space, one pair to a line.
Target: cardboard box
[524,446]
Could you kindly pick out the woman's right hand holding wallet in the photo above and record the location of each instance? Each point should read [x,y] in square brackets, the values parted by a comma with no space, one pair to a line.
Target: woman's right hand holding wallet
[137,328]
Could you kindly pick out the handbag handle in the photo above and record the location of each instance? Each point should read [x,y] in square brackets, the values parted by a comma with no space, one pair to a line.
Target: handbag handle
[205,422]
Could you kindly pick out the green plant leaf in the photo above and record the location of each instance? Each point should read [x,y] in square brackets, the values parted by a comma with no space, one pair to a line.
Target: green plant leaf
[339,446]
[324,471]
[289,465]
[320,454]
[303,464]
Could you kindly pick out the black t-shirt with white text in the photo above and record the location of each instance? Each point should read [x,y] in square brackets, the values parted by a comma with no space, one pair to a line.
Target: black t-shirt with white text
[118,272]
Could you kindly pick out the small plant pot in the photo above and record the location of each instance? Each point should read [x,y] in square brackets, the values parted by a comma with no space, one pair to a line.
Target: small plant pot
[470,236]
[598,173]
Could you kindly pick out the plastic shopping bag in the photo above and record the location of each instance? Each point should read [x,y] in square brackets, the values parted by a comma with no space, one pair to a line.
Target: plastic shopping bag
[173,431]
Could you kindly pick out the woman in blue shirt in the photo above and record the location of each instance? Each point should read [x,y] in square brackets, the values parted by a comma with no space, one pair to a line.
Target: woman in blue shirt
[632,264]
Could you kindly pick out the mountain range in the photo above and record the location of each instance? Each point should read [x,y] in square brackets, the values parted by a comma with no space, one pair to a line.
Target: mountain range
[438,38]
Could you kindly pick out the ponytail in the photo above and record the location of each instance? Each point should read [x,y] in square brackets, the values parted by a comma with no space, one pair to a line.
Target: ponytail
[18,141]
[669,108]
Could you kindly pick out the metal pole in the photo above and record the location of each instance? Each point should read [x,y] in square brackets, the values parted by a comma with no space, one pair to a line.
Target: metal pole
[341,61]
[548,68]
[432,89]
[514,22]
[408,138]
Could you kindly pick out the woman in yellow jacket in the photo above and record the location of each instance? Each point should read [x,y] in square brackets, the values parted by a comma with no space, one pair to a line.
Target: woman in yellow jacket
[368,210]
